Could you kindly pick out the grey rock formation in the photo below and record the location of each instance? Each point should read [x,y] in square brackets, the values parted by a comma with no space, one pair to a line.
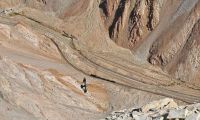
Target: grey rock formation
[165,109]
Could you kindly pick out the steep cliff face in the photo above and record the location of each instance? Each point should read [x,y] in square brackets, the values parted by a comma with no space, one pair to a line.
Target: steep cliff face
[130,21]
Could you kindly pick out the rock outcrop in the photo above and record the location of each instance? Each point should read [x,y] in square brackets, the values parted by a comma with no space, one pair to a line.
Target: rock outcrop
[130,21]
[156,31]
[165,109]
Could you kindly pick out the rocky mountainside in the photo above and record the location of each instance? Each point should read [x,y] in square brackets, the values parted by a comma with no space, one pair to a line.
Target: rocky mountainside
[130,21]
[129,52]
[165,109]
[161,32]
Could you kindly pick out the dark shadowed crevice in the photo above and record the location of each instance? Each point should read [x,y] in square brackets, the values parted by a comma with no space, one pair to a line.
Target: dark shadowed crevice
[134,18]
[118,15]
[150,15]
[103,5]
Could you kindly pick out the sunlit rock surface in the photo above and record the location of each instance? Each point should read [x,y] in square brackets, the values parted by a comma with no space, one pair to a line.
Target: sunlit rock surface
[164,109]
[131,52]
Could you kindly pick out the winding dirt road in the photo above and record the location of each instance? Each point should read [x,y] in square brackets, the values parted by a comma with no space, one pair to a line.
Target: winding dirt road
[99,66]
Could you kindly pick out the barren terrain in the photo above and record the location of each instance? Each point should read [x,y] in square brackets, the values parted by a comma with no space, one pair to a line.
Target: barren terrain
[131,52]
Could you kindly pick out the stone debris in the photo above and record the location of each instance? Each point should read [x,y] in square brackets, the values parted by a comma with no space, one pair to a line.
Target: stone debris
[6,11]
[182,113]
[161,104]
[165,109]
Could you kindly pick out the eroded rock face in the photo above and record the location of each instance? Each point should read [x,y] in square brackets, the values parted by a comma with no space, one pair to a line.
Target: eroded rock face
[158,110]
[165,29]
[130,21]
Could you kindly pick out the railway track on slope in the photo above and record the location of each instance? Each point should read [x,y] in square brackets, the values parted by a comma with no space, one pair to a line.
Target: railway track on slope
[106,71]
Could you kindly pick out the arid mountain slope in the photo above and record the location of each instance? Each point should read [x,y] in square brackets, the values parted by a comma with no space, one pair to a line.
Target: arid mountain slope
[157,31]
[130,51]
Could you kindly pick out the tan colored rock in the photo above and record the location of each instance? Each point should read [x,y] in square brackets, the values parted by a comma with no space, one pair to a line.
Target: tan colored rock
[161,104]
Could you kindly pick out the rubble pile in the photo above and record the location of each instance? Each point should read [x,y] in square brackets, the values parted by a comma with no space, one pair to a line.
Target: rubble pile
[165,109]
